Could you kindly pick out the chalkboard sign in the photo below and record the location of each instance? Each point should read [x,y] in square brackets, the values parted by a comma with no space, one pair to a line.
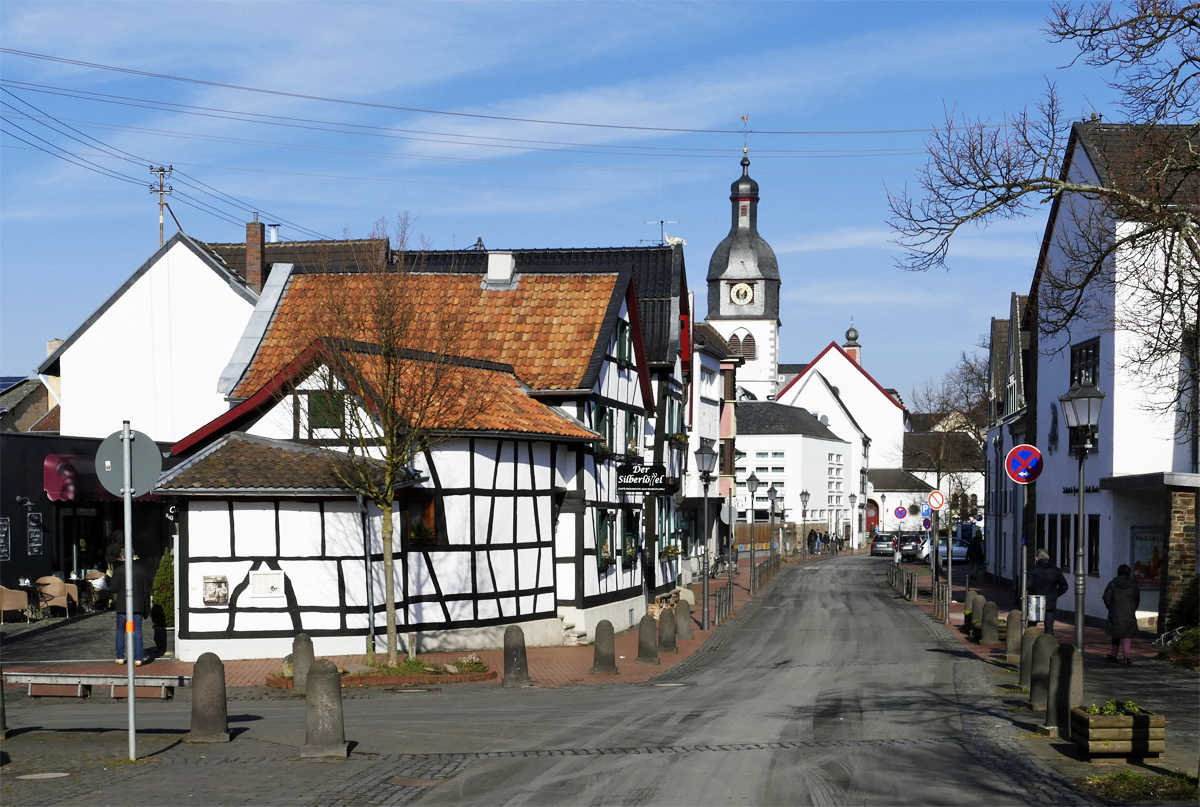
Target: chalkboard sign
[5,539]
[33,522]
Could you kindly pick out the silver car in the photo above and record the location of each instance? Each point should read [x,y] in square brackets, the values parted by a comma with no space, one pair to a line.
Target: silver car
[960,550]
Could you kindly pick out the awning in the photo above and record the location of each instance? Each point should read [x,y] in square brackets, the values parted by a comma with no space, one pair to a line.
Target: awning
[72,478]
[1160,480]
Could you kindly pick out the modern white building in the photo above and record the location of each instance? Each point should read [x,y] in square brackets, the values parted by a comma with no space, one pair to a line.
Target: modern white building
[1141,481]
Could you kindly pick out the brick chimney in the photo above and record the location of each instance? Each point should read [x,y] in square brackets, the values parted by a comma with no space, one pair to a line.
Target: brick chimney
[255,233]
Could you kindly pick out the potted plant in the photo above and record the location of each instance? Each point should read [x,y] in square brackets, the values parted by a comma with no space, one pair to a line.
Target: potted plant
[421,534]
[604,560]
[679,440]
[162,608]
[602,450]
[633,451]
[669,552]
[1119,728]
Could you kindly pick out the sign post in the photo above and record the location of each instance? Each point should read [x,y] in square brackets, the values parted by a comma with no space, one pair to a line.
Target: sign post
[128,471]
[1023,465]
[936,500]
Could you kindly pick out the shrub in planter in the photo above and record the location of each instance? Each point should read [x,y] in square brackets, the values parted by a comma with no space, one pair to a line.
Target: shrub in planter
[1118,728]
[668,552]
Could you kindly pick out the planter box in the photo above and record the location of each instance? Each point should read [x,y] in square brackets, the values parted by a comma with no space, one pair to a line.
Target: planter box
[1136,736]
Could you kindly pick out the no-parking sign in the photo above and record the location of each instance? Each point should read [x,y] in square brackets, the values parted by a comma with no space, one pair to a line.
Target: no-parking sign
[1023,464]
[926,523]
[901,513]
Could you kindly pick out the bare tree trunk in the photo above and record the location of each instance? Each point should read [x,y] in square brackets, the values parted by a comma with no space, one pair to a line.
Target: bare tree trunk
[389,587]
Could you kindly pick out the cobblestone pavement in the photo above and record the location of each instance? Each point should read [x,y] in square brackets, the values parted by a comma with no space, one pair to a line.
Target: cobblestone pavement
[824,690]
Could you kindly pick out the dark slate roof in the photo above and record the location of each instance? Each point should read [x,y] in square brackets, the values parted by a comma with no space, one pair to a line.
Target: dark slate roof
[924,421]
[18,392]
[1120,152]
[955,452]
[769,417]
[250,465]
[307,254]
[707,336]
[888,479]
[9,381]
[998,357]
[658,271]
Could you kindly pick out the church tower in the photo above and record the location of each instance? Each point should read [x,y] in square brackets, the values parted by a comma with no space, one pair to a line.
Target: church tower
[743,292]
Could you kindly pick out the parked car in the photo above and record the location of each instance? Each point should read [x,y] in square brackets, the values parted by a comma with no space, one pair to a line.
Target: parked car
[960,550]
[883,545]
[910,546]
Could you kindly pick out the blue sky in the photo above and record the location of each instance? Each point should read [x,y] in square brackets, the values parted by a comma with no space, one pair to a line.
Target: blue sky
[70,236]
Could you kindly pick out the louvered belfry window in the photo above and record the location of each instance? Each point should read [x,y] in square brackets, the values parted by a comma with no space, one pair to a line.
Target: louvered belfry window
[748,347]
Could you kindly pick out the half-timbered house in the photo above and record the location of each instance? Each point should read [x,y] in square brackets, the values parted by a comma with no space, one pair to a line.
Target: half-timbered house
[517,520]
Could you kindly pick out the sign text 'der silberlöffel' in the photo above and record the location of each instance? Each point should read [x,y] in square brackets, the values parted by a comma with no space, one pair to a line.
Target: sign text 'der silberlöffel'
[641,479]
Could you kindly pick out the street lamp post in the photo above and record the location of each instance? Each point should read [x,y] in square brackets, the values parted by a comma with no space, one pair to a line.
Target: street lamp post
[804,496]
[706,462]
[752,484]
[1081,409]
[882,512]
[853,519]
[772,494]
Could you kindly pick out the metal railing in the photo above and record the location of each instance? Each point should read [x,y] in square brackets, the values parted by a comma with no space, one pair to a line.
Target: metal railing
[941,602]
[724,603]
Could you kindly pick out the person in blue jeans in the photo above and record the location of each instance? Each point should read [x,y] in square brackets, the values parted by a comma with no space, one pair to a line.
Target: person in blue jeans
[141,588]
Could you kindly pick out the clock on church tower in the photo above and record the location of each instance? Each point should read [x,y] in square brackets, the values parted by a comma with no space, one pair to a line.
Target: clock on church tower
[743,291]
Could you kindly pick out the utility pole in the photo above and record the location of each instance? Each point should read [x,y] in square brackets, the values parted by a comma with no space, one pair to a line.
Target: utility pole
[162,190]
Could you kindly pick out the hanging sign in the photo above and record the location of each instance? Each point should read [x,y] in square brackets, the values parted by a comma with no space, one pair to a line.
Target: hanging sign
[901,513]
[1023,464]
[33,523]
[937,500]
[641,479]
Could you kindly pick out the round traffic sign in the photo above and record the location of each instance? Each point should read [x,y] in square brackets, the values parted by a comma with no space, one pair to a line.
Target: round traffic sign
[927,523]
[937,500]
[901,512]
[1023,464]
[144,458]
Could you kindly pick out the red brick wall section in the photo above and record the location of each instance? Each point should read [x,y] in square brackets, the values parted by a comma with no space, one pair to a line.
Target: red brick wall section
[254,254]
[1180,564]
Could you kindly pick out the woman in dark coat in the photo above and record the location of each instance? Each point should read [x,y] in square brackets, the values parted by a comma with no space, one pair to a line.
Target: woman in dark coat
[1122,598]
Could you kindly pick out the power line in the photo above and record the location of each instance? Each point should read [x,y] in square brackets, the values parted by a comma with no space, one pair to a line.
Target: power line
[386,133]
[130,157]
[372,105]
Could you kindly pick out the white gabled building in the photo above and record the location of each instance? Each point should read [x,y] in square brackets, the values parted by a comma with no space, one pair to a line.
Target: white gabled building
[153,351]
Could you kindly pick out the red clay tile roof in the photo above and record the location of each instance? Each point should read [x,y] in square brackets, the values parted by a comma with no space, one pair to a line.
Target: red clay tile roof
[546,328]
[49,422]
[470,398]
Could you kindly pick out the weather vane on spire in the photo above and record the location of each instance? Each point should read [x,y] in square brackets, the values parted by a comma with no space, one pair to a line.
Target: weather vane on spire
[746,133]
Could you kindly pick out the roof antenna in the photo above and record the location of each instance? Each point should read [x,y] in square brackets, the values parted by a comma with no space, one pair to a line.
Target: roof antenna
[662,232]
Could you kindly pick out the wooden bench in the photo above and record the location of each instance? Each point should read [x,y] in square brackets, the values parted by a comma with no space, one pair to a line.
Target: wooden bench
[77,685]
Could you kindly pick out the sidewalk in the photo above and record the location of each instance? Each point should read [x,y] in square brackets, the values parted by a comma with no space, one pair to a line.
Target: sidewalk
[1154,685]
[548,666]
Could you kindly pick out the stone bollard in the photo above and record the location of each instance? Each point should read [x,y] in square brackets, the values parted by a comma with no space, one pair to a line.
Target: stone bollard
[971,606]
[1031,635]
[604,661]
[1039,682]
[666,631]
[324,729]
[647,642]
[1058,692]
[516,666]
[683,620]
[210,716]
[1012,637]
[5,731]
[302,661]
[989,626]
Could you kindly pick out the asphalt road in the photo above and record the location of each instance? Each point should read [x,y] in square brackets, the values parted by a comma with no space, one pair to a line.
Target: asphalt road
[826,690]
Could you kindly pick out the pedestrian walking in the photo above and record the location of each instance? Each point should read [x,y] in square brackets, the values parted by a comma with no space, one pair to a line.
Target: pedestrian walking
[975,556]
[1122,598]
[140,587]
[1047,580]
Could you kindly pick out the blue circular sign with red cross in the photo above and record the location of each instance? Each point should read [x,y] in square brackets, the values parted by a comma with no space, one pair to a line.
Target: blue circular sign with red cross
[901,513]
[926,523]
[1023,464]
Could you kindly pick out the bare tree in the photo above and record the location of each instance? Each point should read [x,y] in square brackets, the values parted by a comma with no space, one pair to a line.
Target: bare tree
[1133,231]
[377,401]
